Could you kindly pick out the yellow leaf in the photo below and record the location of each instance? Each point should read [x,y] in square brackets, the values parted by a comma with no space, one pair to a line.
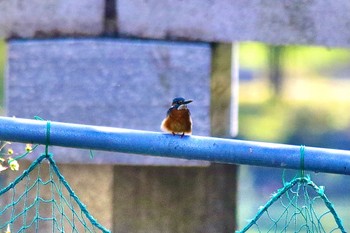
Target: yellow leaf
[13,164]
[29,147]
[10,151]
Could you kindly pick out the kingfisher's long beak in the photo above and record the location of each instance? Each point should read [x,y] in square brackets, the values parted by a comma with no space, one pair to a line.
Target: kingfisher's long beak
[188,101]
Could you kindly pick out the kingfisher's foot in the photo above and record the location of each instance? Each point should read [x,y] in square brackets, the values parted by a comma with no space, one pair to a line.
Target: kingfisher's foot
[182,135]
[173,133]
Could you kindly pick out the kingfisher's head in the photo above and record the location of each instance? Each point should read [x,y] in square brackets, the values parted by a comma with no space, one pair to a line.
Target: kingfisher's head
[180,103]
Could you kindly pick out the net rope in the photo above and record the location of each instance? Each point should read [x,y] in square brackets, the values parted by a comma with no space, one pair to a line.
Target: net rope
[299,206]
[41,200]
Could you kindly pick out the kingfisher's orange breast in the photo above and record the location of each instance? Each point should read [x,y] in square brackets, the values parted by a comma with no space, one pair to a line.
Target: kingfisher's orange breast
[178,121]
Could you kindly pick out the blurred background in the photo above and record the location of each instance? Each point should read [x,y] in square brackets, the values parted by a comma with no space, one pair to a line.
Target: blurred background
[294,95]
[288,94]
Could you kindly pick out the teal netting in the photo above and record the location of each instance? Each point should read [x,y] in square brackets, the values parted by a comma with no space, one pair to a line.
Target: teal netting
[41,200]
[300,206]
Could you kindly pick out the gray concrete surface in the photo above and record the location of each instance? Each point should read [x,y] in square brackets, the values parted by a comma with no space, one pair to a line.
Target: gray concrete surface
[36,18]
[118,83]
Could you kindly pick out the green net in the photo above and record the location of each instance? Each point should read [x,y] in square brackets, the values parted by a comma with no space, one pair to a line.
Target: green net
[300,206]
[41,200]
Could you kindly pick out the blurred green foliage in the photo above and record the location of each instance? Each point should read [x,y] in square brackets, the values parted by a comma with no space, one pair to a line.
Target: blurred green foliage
[312,107]
[2,71]
[255,55]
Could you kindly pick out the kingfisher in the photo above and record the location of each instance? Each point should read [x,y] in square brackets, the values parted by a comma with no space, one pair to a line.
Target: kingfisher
[178,118]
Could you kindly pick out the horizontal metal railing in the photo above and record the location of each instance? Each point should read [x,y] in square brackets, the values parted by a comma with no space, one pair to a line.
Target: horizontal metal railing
[159,144]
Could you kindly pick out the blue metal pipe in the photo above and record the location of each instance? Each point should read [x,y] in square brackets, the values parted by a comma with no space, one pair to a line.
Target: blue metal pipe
[189,147]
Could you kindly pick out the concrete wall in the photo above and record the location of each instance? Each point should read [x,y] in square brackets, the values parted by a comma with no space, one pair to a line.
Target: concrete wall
[276,22]
[35,18]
